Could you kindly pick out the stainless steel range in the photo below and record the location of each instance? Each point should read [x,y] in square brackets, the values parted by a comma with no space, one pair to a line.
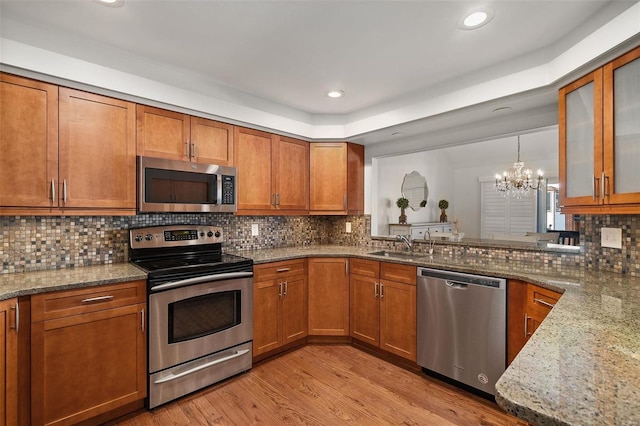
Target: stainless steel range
[200,308]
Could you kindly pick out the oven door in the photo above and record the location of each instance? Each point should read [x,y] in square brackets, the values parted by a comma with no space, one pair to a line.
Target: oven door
[198,319]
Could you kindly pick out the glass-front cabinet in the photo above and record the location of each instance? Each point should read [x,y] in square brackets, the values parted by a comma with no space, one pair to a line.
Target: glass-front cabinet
[600,139]
[580,125]
[622,129]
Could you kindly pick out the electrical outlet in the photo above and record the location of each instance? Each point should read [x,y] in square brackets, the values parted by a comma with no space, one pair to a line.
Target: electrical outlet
[611,237]
[348,228]
[254,230]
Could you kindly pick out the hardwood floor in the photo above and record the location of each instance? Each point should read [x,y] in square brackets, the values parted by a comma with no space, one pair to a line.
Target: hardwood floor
[327,385]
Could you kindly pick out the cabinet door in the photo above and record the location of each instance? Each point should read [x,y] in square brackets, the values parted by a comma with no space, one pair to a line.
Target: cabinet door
[398,319]
[86,365]
[328,177]
[294,309]
[292,174]
[211,142]
[162,133]
[254,156]
[516,319]
[28,142]
[97,151]
[622,129]
[580,134]
[328,297]
[355,178]
[365,309]
[8,362]
[267,316]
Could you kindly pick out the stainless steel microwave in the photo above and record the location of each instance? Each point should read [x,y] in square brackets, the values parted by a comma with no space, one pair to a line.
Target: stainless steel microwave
[181,186]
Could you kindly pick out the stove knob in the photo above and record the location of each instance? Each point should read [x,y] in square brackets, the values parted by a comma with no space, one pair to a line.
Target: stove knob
[148,237]
[202,234]
[138,238]
[209,234]
[217,234]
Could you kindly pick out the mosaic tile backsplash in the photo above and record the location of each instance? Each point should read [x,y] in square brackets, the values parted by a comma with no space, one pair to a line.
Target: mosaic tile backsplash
[29,243]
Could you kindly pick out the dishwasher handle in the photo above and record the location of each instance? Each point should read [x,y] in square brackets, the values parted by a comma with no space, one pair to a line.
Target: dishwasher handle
[453,284]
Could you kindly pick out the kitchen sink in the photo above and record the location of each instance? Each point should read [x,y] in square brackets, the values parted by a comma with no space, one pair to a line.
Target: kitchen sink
[397,254]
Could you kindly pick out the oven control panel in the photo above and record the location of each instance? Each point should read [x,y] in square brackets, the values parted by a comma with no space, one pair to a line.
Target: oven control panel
[174,236]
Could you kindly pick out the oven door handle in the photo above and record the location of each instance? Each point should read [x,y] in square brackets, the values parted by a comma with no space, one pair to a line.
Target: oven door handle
[203,279]
[171,377]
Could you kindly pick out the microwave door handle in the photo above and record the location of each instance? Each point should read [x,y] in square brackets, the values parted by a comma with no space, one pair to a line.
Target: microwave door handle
[219,190]
[199,280]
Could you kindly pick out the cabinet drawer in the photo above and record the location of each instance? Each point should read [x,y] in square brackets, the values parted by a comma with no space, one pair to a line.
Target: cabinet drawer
[398,273]
[74,302]
[275,270]
[365,268]
[541,299]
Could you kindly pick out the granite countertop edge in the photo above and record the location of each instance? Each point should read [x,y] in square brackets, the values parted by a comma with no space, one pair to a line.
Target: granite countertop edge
[30,283]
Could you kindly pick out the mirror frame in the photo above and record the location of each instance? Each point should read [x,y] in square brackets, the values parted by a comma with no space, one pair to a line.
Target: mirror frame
[415,174]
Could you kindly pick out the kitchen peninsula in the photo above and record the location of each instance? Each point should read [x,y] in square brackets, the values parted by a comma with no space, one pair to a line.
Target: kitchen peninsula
[580,367]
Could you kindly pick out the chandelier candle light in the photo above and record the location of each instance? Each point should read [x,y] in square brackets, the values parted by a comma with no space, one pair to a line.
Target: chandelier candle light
[516,181]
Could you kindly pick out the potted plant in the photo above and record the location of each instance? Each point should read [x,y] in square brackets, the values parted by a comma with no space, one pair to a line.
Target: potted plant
[443,205]
[403,203]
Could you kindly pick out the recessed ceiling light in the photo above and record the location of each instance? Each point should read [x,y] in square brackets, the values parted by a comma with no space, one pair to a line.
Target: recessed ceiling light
[475,19]
[111,3]
[335,93]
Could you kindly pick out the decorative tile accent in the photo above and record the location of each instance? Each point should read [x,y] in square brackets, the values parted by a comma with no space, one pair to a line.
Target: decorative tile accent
[30,243]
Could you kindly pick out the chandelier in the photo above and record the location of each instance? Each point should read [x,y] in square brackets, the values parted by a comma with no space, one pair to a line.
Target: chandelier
[516,181]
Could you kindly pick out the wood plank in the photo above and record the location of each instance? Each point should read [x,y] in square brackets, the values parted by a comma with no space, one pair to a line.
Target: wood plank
[327,384]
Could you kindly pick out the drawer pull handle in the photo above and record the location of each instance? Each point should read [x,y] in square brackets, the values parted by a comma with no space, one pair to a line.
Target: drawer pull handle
[542,302]
[283,270]
[172,376]
[97,299]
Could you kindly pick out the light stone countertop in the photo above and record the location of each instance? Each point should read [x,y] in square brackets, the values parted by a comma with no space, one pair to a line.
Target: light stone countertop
[582,365]
[28,283]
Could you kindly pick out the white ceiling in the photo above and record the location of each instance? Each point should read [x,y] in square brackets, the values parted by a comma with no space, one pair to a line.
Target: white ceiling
[282,56]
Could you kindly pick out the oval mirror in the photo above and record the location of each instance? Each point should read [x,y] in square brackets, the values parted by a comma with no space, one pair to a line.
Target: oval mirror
[414,188]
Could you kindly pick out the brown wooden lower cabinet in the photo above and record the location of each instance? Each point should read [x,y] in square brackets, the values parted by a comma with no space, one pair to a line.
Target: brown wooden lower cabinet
[88,352]
[528,305]
[280,305]
[9,362]
[383,306]
[328,296]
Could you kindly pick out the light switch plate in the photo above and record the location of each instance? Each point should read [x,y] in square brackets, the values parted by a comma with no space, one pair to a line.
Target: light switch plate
[611,237]
[348,227]
[254,230]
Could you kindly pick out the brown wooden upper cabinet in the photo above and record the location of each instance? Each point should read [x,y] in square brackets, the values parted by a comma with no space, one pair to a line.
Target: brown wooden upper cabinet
[65,151]
[273,173]
[336,178]
[600,139]
[177,136]
[28,142]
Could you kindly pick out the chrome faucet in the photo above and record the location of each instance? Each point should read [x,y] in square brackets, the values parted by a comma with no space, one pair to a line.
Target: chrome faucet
[407,240]
[427,234]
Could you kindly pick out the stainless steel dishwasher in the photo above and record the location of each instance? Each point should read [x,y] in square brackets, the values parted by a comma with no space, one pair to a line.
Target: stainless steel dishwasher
[462,326]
